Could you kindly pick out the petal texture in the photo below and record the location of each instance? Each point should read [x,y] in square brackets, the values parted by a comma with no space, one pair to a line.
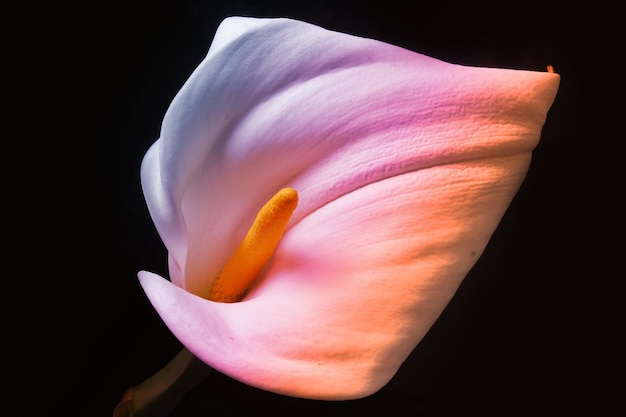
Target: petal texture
[404,165]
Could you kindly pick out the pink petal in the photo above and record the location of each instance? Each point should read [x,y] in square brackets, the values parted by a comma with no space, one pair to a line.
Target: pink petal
[354,286]
[404,165]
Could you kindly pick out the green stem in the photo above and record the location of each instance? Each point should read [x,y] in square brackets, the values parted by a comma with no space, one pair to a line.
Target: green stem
[162,391]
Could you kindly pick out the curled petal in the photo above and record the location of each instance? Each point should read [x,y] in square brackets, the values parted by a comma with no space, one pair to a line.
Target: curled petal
[404,165]
[350,291]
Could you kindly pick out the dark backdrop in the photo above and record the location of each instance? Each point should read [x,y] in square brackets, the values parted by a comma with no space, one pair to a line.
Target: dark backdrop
[531,331]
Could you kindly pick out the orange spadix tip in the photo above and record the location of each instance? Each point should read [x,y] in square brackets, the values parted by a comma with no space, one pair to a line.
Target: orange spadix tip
[256,249]
[550,69]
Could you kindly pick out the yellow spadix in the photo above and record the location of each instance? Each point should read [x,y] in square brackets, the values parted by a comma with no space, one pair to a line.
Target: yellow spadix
[256,248]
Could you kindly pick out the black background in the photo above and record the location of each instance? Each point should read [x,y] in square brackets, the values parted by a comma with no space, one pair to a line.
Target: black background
[534,328]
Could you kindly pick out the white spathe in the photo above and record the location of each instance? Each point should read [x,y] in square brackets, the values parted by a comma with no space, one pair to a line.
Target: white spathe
[404,166]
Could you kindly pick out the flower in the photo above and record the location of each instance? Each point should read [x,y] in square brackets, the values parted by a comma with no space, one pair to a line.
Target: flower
[403,166]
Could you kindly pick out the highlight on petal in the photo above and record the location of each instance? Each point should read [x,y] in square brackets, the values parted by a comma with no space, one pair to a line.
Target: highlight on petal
[404,166]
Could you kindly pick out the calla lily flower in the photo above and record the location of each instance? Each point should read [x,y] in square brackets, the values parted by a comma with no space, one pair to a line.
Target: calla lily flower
[403,165]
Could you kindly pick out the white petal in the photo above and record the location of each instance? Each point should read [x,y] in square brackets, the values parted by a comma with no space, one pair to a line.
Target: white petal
[279,102]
